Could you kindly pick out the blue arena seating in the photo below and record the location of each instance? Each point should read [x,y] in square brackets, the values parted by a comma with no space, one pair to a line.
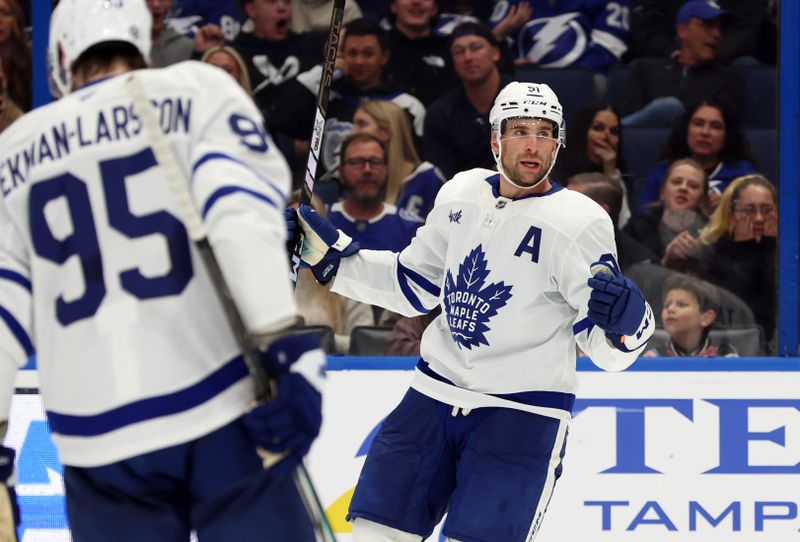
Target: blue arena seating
[764,142]
[640,148]
[574,85]
[617,76]
[761,96]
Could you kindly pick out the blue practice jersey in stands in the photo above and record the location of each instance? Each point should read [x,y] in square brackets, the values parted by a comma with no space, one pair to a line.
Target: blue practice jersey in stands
[419,190]
[392,230]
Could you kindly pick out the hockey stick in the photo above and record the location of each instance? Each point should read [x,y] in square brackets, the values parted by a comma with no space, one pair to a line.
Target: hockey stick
[192,220]
[318,130]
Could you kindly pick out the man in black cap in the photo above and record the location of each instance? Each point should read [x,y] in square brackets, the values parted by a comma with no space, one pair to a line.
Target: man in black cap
[658,89]
[457,125]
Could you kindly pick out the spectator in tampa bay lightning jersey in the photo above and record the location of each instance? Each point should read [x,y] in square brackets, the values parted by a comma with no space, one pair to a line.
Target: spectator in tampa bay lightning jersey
[560,33]
[363,214]
[274,54]
[523,270]
[149,400]
[413,184]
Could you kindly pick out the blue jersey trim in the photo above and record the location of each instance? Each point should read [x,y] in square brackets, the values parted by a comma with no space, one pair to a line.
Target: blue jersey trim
[152,407]
[421,281]
[586,324]
[13,276]
[494,182]
[17,330]
[222,156]
[228,190]
[547,399]
[412,298]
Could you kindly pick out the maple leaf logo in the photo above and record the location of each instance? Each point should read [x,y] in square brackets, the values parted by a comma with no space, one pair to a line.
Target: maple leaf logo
[468,304]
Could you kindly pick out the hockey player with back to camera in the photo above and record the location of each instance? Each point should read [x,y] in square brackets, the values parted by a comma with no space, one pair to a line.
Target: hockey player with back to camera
[523,270]
[149,401]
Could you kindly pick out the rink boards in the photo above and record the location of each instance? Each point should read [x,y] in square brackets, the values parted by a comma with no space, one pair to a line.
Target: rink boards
[667,451]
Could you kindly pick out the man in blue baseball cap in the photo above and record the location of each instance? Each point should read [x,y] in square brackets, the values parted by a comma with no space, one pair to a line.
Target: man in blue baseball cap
[660,89]
[699,28]
[705,10]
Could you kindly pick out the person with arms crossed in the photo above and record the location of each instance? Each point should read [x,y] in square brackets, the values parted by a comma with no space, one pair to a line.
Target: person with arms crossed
[509,256]
[148,397]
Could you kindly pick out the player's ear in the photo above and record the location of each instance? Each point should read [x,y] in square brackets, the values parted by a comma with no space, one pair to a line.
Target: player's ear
[493,143]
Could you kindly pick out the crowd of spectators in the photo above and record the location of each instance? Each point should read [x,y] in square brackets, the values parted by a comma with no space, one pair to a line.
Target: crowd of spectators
[414,83]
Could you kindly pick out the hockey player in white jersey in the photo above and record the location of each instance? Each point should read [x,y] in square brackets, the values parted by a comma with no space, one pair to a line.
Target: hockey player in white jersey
[510,257]
[149,400]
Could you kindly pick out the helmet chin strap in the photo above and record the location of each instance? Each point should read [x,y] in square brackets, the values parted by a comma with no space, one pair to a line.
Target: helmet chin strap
[499,162]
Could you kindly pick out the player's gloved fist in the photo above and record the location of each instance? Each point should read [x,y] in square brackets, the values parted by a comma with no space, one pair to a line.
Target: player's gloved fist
[616,304]
[324,245]
[9,509]
[291,421]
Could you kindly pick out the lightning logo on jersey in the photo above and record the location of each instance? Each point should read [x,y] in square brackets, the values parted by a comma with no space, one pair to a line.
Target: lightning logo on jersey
[553,42]
[468,304]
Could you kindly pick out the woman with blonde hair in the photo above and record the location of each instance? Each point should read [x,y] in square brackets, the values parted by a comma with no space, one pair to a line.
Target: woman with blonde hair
[739,246]
[226,58]
[413,184]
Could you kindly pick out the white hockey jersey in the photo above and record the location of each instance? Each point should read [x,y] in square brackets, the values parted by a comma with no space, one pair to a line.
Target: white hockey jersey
[134,352]
[511,277]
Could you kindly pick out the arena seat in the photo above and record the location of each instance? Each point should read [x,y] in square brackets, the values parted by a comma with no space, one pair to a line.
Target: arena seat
[640,148]
[764,142]
[574,85]
[745,340]
[761,96]
[369,340]
[617,76]
[650,279]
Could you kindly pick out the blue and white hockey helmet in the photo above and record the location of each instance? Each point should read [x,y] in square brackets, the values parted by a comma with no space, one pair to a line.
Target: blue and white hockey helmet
[528,100]
[77,25]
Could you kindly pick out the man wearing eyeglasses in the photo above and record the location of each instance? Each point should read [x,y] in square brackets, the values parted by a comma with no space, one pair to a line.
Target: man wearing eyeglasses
[363,215]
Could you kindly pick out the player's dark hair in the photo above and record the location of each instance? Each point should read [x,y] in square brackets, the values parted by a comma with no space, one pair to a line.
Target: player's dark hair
[706,293]
[104,56]
[361,138]
[602,189]
[366,27]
